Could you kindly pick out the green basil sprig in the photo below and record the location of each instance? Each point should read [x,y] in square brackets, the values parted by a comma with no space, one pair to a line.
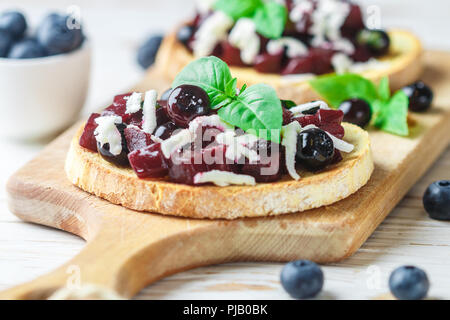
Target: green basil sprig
[269,16]
[255,108]
[388,113]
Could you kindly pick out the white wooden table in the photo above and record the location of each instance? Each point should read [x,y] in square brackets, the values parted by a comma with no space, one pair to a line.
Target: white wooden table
[116,28]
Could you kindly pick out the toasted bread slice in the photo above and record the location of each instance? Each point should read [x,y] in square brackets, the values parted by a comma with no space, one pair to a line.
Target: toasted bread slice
[403,66]
[91,173]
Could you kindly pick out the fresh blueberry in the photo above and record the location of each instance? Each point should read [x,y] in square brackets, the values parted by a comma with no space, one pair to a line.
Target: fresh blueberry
[302,279]
[436,200]
[14,22]
[420,96]
[376,41]
[315,149]
[6,41]
[27,49]
[184,34]
[409,283]
[56,34]
[356,111]
[147,52]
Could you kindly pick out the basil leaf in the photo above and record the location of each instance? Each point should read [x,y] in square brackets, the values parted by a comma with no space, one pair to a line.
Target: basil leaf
[212,75]
[384,92]
[337,88]
[237,8]
[270,19]
[257,108]
[393,116]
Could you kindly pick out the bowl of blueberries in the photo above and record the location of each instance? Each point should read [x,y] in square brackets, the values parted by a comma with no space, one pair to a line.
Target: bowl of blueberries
[44,74]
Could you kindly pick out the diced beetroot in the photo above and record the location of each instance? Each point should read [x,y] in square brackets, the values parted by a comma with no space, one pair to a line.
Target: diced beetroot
[299,66]
[287,116]
[330,116]
[119,100]
[117,110]
[321,60]
[214,158]
[183,166]
[137,139]
[328,120]
[268,168]
[307,120]
[148,162]
[231,55]
[136,119]
[354,20]
[87,139]
[268,63]
[335,129]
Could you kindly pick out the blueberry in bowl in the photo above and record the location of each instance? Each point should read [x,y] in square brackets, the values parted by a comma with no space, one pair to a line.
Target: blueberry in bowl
[13,22]
[29,64]
[59,35]
[27,49]
[147,51]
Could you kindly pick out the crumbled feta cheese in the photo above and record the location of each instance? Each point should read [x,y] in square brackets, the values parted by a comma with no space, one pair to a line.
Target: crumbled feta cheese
[295,48]
[289,141]
[175,142]
[107,132]
[213,30]
[327,20]
[341,63]
[133,102]
[244,37]
[237,147]
[149,113]
[209,121]
[299,10]
[224,178]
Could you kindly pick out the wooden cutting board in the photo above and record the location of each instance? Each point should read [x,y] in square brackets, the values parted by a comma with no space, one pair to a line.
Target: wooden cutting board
[127,250]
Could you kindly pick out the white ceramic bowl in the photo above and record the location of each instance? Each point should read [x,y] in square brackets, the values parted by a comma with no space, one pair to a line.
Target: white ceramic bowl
[40,97]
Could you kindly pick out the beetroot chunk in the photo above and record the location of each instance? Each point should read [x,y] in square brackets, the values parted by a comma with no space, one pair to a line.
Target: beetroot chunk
[137,139]
[87,139]
[148,162]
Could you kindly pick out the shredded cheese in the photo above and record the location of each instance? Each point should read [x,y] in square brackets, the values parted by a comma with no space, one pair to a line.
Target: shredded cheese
[289,141]
[295,48]
[107,132]
[149,112]
[244,37]
[175,142]
[223,178]
[133,102]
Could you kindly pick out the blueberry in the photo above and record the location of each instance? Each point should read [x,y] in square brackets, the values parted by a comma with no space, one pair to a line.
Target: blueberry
[376,41]
[356,111]
[420,96]
[302,279]
[315,149]
[14,22]
[147,52]
[409,283]
[184,34]
[27,49]
[6,41]
[436,200]
[166,94]
[120,160]
[56,35]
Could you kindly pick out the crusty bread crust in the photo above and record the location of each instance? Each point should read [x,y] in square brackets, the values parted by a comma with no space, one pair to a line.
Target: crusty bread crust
[91,173]
[404,67]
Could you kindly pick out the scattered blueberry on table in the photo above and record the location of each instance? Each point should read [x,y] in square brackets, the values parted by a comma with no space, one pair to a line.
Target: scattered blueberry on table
[420,96]
[356,111]
[56,34]
[409,283]
[302,279]
[436,200]
[147,51]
